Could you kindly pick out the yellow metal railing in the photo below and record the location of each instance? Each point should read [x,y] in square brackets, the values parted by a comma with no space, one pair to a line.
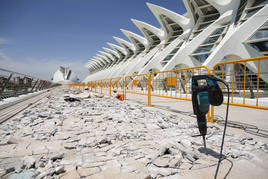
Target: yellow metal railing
[247,79]
[118,85]
[175,84]
[139,84]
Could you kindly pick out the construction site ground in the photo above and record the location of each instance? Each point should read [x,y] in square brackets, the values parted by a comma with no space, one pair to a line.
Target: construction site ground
[101,137]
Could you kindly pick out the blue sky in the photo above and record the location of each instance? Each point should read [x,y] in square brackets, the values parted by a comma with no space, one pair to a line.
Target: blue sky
[36,36]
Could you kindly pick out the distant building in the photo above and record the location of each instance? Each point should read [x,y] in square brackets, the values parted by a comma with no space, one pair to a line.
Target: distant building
[17,80]
[65,75]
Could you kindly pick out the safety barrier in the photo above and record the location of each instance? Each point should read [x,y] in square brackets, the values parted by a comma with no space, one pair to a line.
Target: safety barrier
[139,84]
[118,85]
[175,84]
[15,84]
[247,79]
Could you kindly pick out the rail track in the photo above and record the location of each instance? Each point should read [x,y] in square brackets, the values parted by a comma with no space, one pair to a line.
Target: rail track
[11,109]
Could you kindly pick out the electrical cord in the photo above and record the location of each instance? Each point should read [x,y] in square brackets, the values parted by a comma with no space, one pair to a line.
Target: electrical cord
[224,130]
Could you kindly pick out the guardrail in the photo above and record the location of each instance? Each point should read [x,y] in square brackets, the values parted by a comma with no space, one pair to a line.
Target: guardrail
[15,84]
[248,82]
[247,78]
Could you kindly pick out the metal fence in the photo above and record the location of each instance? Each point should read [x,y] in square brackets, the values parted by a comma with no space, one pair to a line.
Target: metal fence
[15,84]
[247,78]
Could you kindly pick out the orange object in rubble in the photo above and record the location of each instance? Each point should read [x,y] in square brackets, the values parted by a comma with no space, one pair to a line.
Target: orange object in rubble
[119,97]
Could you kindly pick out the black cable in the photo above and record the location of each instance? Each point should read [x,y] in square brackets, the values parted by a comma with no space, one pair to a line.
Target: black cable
[224,130]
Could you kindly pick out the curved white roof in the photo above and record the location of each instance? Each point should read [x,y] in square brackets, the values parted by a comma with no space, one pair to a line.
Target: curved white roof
[183,22]
[134,38]
[111,52]
[116,47]
[106,54]
[124,42]
[144,26]
[129,47]
[104,59]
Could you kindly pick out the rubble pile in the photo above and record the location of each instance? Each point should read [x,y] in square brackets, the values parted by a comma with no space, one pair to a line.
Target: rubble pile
[98,136]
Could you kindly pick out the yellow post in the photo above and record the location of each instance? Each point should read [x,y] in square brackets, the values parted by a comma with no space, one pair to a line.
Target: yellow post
[110,87]
[149,90]
[186,82]
[124,88]
[212,114]
[181,84]
[176,83]
[101,86]
[233,83]
[95,86]
[222,76]
[245,66]
[258,83]
[208,114]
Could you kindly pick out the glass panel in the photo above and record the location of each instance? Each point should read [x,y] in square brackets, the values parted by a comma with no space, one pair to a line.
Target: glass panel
[211,40]
[218,31]
[265,24]
[210,18]
[176,27]
[155,38]
[260,34]
[163,63]
[201,58]
[174,51]
[203,49]
[177,33]
[168,58]
[201,2]
[196,16]
[251,13]
[260,46]
[169,21]
[209,10]
[260,2]
[156,43]
[203,26]
[148,32]
[240,9]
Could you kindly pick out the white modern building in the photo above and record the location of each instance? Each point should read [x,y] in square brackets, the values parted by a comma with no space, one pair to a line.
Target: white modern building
[65,75]
[210,32]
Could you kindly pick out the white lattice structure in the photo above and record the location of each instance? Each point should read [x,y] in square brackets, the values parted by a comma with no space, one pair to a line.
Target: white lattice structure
[210,32]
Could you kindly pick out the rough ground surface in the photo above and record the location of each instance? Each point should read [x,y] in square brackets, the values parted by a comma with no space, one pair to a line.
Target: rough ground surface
[105,138]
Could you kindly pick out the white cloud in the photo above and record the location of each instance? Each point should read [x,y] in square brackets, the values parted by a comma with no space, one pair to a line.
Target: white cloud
[42,68]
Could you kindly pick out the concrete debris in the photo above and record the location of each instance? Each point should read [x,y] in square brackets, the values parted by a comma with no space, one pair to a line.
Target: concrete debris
[90,135]
[59,169]
[29,162]
[57,156]
[12,140]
